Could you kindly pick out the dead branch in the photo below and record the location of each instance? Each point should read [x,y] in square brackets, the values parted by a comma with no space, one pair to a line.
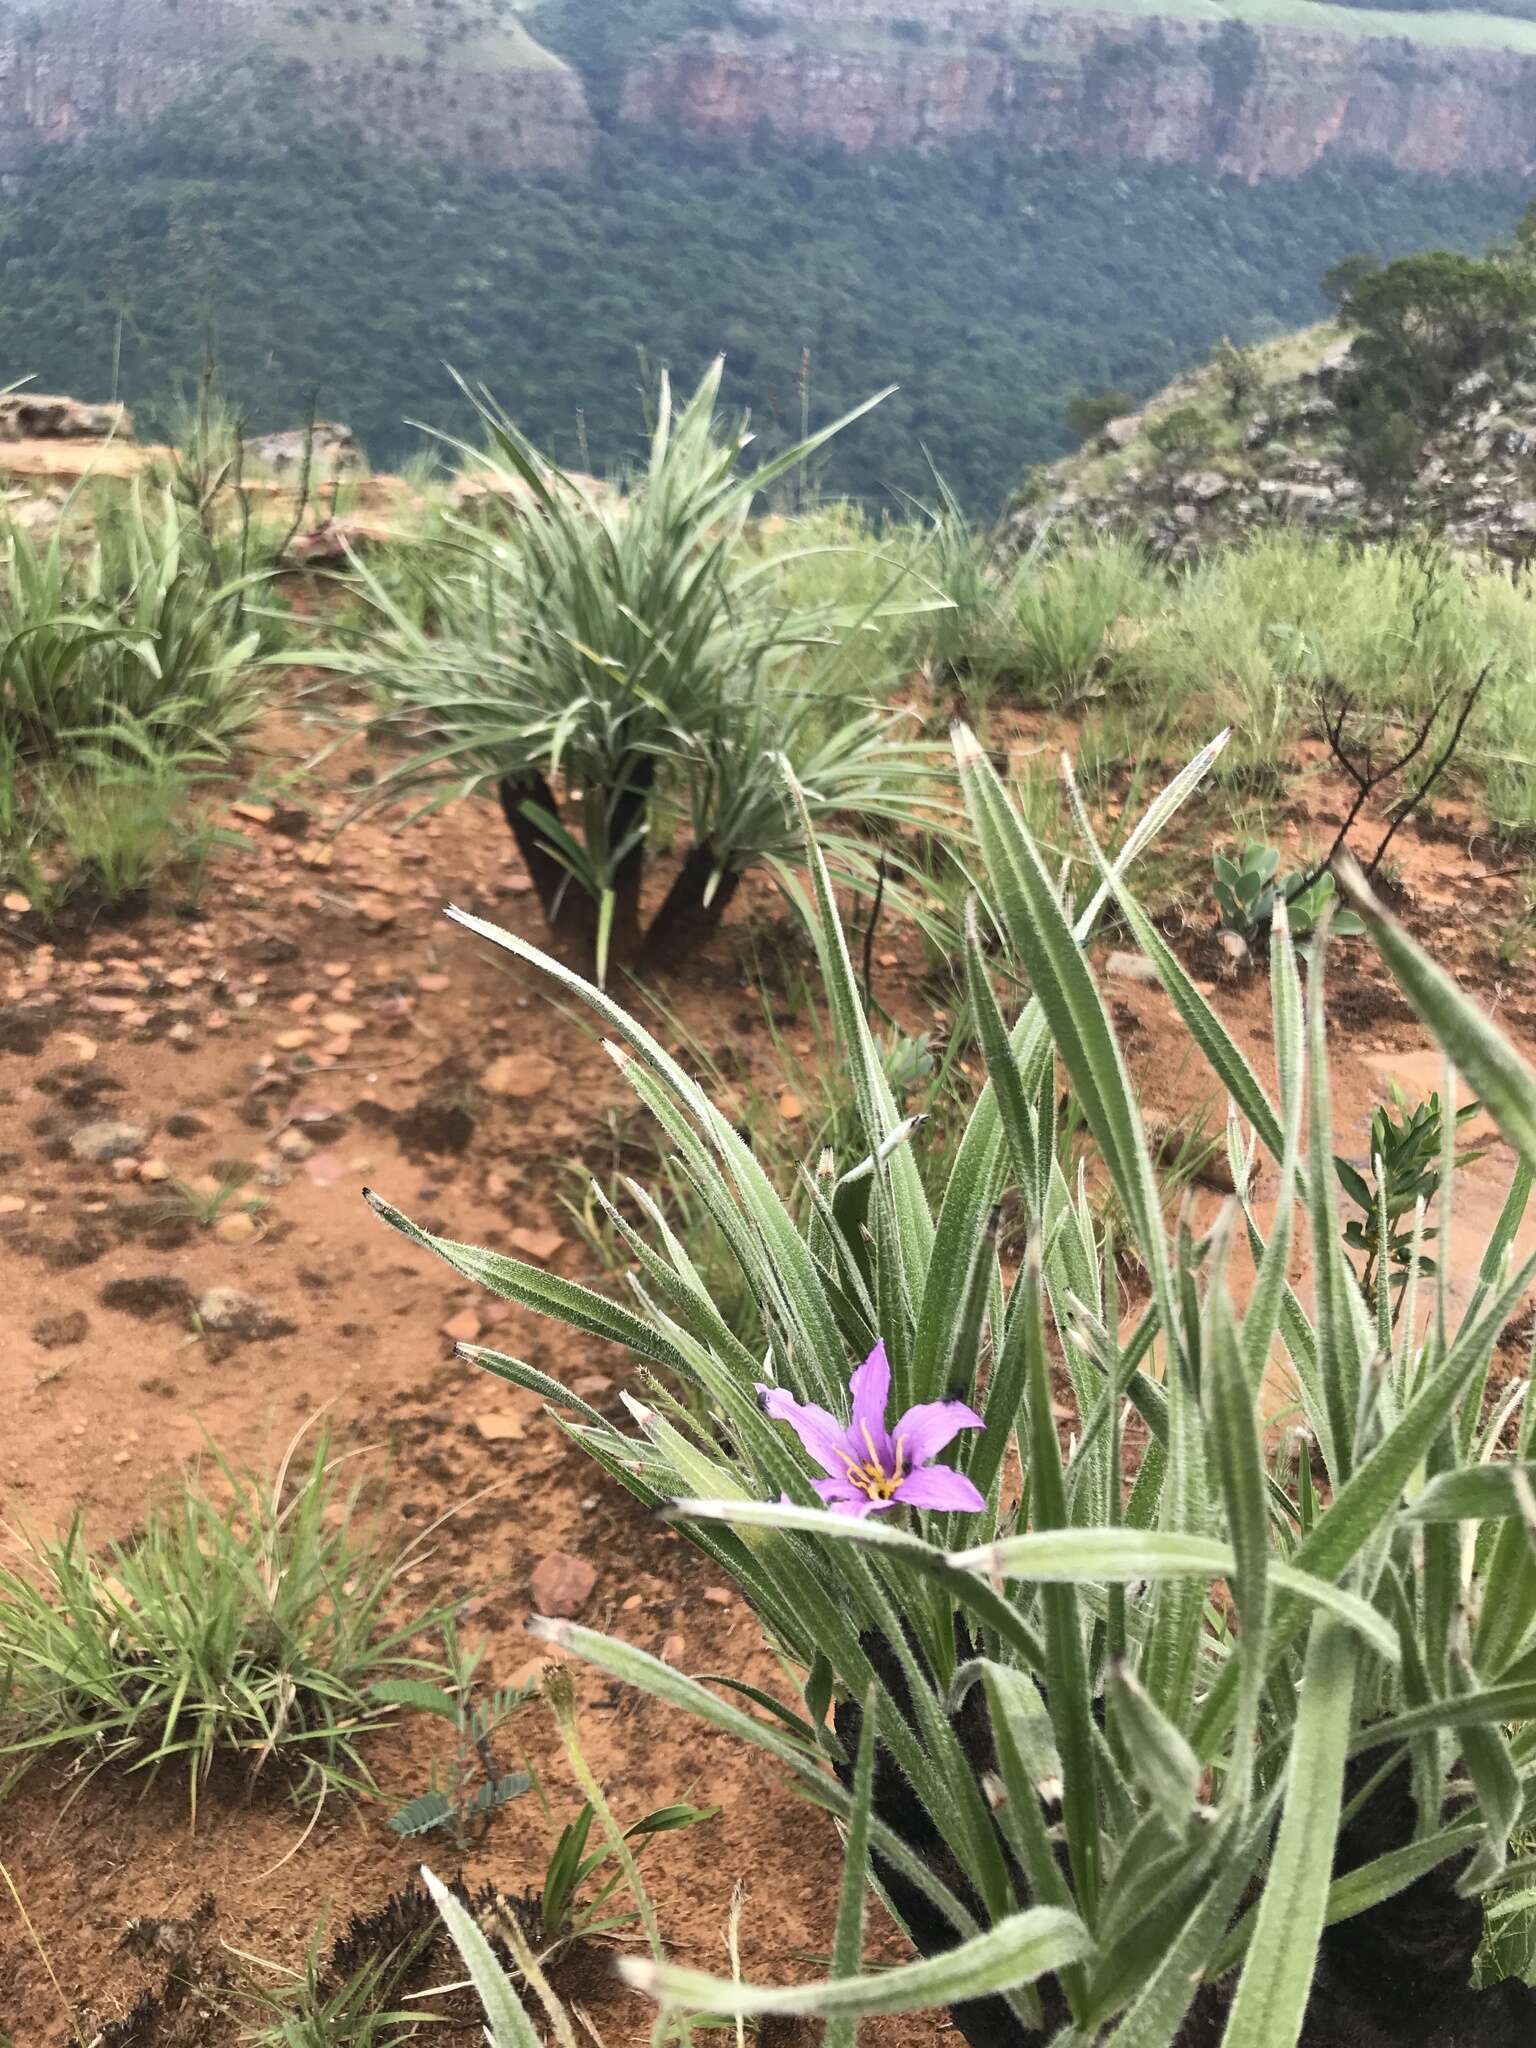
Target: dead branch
[1357,760]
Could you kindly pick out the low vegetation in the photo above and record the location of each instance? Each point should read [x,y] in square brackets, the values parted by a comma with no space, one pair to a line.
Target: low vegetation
[634,650]
[126,682]
[1243,1800]
[255,1620]
[1271,637]
[1159,1629]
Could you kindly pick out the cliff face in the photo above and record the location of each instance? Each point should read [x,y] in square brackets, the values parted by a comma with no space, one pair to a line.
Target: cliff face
[1171,90]
[95,64]
[440,76]
[91,64]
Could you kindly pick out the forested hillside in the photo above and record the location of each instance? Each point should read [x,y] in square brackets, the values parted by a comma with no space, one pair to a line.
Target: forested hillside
[986,280]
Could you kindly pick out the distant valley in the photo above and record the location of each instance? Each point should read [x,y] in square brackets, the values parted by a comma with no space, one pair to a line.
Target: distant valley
[986,202]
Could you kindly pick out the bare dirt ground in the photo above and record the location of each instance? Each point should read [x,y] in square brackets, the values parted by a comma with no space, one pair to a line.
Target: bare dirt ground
[320,1025]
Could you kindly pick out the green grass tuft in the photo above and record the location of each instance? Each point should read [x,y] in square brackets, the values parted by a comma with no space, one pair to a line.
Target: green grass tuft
[247,1620]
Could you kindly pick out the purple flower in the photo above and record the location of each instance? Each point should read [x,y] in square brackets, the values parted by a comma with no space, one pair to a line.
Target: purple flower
[871,1468]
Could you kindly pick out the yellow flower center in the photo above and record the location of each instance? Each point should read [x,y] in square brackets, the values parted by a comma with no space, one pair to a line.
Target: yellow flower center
[871,1478]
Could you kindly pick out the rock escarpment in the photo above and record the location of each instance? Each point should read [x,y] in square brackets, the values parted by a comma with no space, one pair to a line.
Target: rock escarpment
[463,78]
[1244,101]
[393,72]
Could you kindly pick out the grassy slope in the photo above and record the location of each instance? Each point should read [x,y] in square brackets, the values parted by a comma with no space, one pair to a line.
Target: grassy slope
[478,35]
[1488,31]
[468,37]
[1449,26]
[496,34]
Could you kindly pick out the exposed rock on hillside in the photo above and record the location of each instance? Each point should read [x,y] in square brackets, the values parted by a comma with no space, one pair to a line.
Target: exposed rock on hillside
[465,78]
[1283,459]
[331,445]
[446,79]
[35,416]
[1251,102]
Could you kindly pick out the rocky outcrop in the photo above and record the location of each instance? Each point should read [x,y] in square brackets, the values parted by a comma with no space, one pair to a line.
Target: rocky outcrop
[1253,103]
[329,447]
[1287,464]
[39,416]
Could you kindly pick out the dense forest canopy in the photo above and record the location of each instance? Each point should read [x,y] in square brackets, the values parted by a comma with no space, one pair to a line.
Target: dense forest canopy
[987,281]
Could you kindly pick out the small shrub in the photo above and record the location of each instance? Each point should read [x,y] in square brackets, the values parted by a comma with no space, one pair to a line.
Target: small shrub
[1407,1158]
[125,680]
[810,1151]
[575,1903]
[133,630]
[1238,372]
[627,646]
[366,2008]
[1060,612]
[467,1793]
[1306,904]
[961,638]
[1184,430]
[1247,889]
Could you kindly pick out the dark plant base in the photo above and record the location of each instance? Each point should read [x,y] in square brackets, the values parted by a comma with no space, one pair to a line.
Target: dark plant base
[624,940]
[567,908]
[1395,1977]
[685,923]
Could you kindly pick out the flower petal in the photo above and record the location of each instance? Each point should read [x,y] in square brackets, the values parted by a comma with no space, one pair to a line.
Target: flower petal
[859,1505]
[835,1491]
[871,1391]
[822,1434]
[936,1486]
[924,1431]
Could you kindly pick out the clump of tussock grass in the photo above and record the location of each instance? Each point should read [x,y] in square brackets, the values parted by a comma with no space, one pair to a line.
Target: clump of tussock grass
[248,1619]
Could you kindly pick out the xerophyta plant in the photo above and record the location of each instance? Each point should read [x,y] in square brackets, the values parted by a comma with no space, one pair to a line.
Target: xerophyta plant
[1148,1733]
[622,645]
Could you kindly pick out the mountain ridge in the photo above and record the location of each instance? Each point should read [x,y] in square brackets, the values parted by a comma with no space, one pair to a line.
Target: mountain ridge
[1255,88]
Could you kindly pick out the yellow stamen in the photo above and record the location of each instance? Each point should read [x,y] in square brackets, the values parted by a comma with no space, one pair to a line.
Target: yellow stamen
[871,1478]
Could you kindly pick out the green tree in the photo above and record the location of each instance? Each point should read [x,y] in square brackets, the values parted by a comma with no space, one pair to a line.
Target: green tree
[1421,327]
[1183,431]
[1340,278]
